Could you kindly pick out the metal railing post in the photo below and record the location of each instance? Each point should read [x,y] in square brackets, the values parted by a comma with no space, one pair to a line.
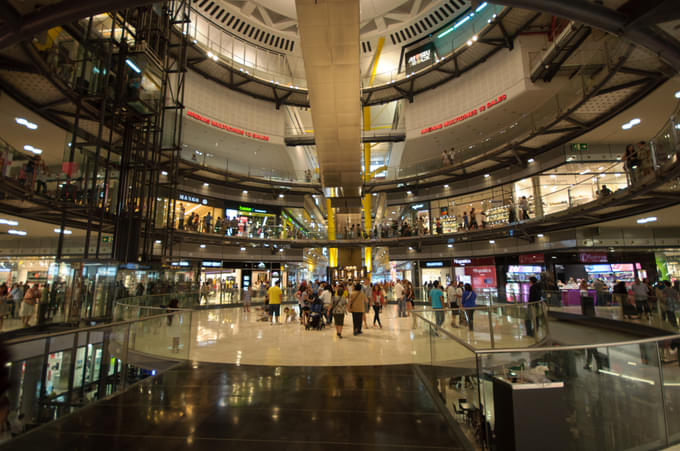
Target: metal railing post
[493,342]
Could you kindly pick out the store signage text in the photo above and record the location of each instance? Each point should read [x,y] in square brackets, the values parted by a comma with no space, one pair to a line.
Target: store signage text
[187,198]
[226,127]
[592,257]
[531,258]
[434,264]
[464,116]
[242,208]
[209,264]
[461,261]
[182,263]
[418,206]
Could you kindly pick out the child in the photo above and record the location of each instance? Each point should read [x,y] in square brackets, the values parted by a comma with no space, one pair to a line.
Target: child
[289,315]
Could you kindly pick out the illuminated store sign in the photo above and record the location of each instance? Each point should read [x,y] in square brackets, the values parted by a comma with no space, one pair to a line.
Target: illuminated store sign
[209,264]
[434,264]
[182,264]
[188,198]
[226,127]
[465,116]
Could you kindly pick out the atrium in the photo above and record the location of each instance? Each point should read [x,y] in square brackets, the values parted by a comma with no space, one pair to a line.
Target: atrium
[334,224]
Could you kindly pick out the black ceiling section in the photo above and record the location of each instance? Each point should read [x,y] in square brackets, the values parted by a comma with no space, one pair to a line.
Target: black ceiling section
[240,26]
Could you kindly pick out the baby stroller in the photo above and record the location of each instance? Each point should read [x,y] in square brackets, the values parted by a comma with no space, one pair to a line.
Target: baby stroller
[316,320]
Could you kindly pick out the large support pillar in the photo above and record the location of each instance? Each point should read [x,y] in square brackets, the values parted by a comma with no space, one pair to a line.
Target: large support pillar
[538,198]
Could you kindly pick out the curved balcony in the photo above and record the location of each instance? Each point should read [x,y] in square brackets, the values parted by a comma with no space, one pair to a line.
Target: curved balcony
[239,64]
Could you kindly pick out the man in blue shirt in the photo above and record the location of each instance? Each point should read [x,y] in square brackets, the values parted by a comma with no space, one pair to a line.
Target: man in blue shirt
[435,296]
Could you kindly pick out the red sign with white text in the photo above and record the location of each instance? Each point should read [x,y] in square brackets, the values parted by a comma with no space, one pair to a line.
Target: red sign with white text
[464,116]
[528,259]
[226,127]
[482,276]
[592,257]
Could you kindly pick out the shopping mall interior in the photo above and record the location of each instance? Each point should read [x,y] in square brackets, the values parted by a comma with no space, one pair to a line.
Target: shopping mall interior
[197,195]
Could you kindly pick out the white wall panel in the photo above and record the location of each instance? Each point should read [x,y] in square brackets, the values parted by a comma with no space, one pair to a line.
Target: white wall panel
[233,108]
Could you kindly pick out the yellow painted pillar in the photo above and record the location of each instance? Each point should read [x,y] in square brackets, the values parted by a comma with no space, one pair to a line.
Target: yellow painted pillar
[366,201]
[333,251]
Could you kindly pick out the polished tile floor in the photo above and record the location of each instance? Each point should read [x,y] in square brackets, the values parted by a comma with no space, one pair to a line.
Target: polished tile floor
[222,406]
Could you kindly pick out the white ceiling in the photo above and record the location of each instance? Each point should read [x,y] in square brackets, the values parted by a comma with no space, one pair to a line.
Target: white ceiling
[48,137]
[35,229]
[653,111]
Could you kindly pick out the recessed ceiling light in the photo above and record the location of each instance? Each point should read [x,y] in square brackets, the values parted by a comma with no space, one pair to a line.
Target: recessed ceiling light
[243,249]
[450,245]
[9,222]
[409,192]
[492,242]
[66,231]
[245,191]
[530,160]
[32,149]
[206,184]
[540,235]
[630,124]
[16,232]
[646,220]
[202,246]
[446,186]
[158,241]
[280,196]
[281,250]
[486,176]
[26,123]
[677,95]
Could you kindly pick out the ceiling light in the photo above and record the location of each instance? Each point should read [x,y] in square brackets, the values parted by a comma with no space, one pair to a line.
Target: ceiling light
[628,125]
[492,242]
[409,192]
[486,176]
[164,173]
[375,194]
[32,149]
[16,232]
[243,249]
[410,248]
[133,66]
[469,42]
[280,196]
[26,123]
[281,250]
[66,231]
[206,184]
[677,95]
[158,241]
[450,245]
[646,220]
[202,246]
[530,160]
[245,191]
[540,235]
[9,222]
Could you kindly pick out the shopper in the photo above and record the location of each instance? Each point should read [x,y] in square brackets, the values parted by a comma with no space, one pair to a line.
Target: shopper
[17,294]
[401,300]
[473,220]
[631,163]
[410,296]
[670,297]
[247,297]
[452,299]
[468,301]
[435,296]
[378,301]
[338,309]
[4,302]
[641,295]
[466,221]
[524,208]
[327,300]
[28,304]
[534,296]
[357,300]
[367,290]
[274,297]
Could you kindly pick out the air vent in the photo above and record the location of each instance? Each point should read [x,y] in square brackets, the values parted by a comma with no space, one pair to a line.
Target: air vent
[430,22]
[210,8]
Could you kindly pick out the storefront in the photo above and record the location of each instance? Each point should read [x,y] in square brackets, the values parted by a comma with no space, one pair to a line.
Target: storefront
[436,270]
[517,277]
[668,265]
[31,270]
[479,272]
[201,214]
[251,220]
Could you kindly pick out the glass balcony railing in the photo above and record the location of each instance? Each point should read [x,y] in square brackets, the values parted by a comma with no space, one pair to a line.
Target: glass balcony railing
[609,396]
[53,375]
